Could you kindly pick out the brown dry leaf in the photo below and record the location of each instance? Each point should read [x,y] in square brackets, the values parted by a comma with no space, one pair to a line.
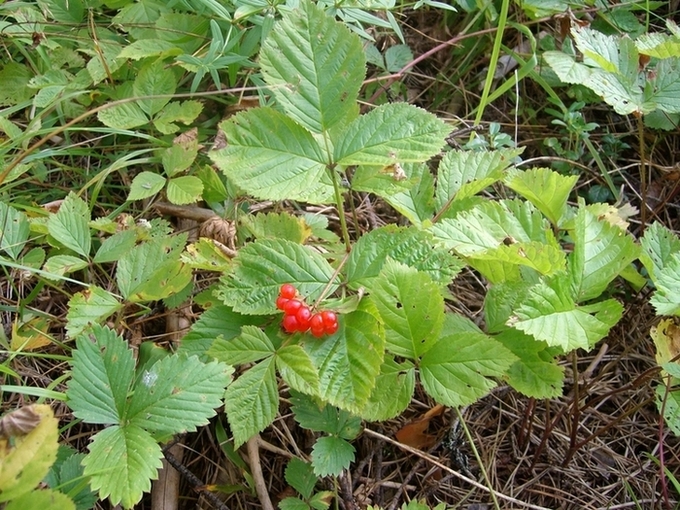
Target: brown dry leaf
[413,434]
[19,422]
[666,337]
[31,335]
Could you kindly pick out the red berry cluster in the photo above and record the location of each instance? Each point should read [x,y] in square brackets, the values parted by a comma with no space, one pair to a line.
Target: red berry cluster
[298,317]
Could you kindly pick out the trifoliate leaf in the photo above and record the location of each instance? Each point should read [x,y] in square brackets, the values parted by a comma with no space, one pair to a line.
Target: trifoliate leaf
[462,174]
[271,157]
[314,66]
[324,418]
[546,189]
[250,346]
[69,225]
[296,369]
[14,230]
[350,360]
[145,185]
[601,252]
[260,268]
[177,394]
[456,370]
[102,372]
[89,307]
[331,455]
[390,134]
[300,476]
[549,313]
[25,458]
[252,401]
[121,463]
[535,373]
[185,189]
[411,308]
[392,393]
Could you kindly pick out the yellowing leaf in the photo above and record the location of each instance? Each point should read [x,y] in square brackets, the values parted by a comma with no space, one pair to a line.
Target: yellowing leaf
[31,335]
[666,338]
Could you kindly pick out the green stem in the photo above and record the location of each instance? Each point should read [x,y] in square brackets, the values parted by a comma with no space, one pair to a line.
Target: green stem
[339,202]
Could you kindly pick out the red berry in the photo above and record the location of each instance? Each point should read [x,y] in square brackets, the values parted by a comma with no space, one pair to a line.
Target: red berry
[331,329]
[292,306]
[318,332]
[316,322]
[303,317]
[281,302]
[329,318]
[290,323]
[287,291]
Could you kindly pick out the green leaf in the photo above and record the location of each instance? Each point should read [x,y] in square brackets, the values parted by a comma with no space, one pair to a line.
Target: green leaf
[88,307]
[392,393]
[207,254]
[546,189]
[273,158]
[297,369]
[114,247]
[14,230]
[456,370]
[462,174]
[260,268]
[659,246]
[504,263]
[601,252]
[535,373]
[121,463]
[411,308]
[153,271]
[349,361]
[550,314]
[291,503]
[410,246]
[331,455]
[416,204]
[325,418]
[183,190]
[216,321]
[300,476]
[177,394]
[71,482]
[185,112]
[279,225]
[666,300]
[149,48]
[500,302]
[101,374]
[314,66]
[45,499]
[14,78]
[123,116]
[390,134]
[60,265]
[145,185]
[69,225]
[181,155]
[383,181]
[252,401]
[250,346]
[154,79]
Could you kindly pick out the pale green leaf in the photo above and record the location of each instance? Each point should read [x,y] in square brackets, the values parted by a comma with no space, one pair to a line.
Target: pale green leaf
[45,499]
[183,190]
[69,225]
[504,263]
[383,181]
[297,369]
[60,265]
[462,174]
[550,314]
[314,66]
[670,402]
[252,401]
[102,372]
[500,302]
[546,189]
[121,463]
[185,112]
[250,346]
[410,246]
[207,254]
[154,79]
[114,247]
[271,157]
[320,417]
[330,455]
[392,393]
[14,78]
[145,184]
[456,371]
[261,267]
[417,203]
[181,154]
[601,252]
[177,394]
[598,49]
[666,300]
[663,91]
[104,59]
[411,307]
[659,245]
[535,374]
[300,476]
[278,225]
[349,361]
[14,230]
[390,134]
[149,48]
[123,116]
[89,307]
